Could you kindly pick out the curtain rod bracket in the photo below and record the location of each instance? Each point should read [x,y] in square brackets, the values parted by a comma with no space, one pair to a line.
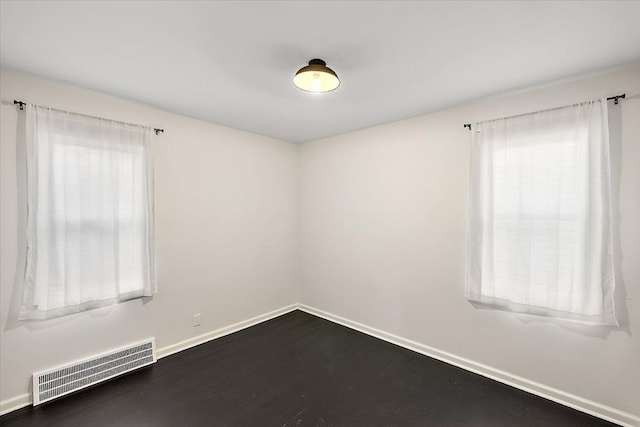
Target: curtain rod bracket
[157,131]
[467,126]
[617,98]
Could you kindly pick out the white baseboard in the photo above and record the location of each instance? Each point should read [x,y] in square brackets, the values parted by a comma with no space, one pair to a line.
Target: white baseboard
[17,402]
[201,339]
[590,407]
[14,403]
[576,402]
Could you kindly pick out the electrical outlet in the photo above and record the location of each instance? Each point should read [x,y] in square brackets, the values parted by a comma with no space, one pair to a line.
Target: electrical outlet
[196,319]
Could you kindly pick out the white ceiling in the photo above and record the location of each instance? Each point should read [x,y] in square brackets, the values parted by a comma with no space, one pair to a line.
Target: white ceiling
[232,63]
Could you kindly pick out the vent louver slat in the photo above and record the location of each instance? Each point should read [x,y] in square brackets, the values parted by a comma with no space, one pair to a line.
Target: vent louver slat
[56,382]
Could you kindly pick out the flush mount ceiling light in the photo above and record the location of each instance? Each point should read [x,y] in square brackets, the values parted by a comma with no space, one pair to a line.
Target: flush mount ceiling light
[316,77]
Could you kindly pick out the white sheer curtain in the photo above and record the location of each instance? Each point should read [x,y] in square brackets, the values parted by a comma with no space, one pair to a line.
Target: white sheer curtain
[90,239]
[540,237]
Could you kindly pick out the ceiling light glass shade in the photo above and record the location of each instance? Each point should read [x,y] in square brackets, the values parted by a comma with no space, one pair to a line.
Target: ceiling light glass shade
[316,77]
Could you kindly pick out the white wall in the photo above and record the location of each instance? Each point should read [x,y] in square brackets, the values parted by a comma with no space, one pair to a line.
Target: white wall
[226,218]
[383,243]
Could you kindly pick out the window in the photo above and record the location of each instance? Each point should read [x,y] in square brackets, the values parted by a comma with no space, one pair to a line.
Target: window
[90,213]
[540,238]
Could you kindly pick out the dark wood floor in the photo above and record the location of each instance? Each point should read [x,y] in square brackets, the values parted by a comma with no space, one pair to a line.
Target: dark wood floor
[296,370]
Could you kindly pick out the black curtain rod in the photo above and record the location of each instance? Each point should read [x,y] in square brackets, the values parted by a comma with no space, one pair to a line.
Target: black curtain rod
[21,105]
[615,100]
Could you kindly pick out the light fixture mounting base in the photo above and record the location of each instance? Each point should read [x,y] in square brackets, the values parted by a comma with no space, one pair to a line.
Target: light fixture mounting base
[317,61]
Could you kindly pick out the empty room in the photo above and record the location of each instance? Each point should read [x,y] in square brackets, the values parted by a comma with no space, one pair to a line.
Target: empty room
[320,213]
